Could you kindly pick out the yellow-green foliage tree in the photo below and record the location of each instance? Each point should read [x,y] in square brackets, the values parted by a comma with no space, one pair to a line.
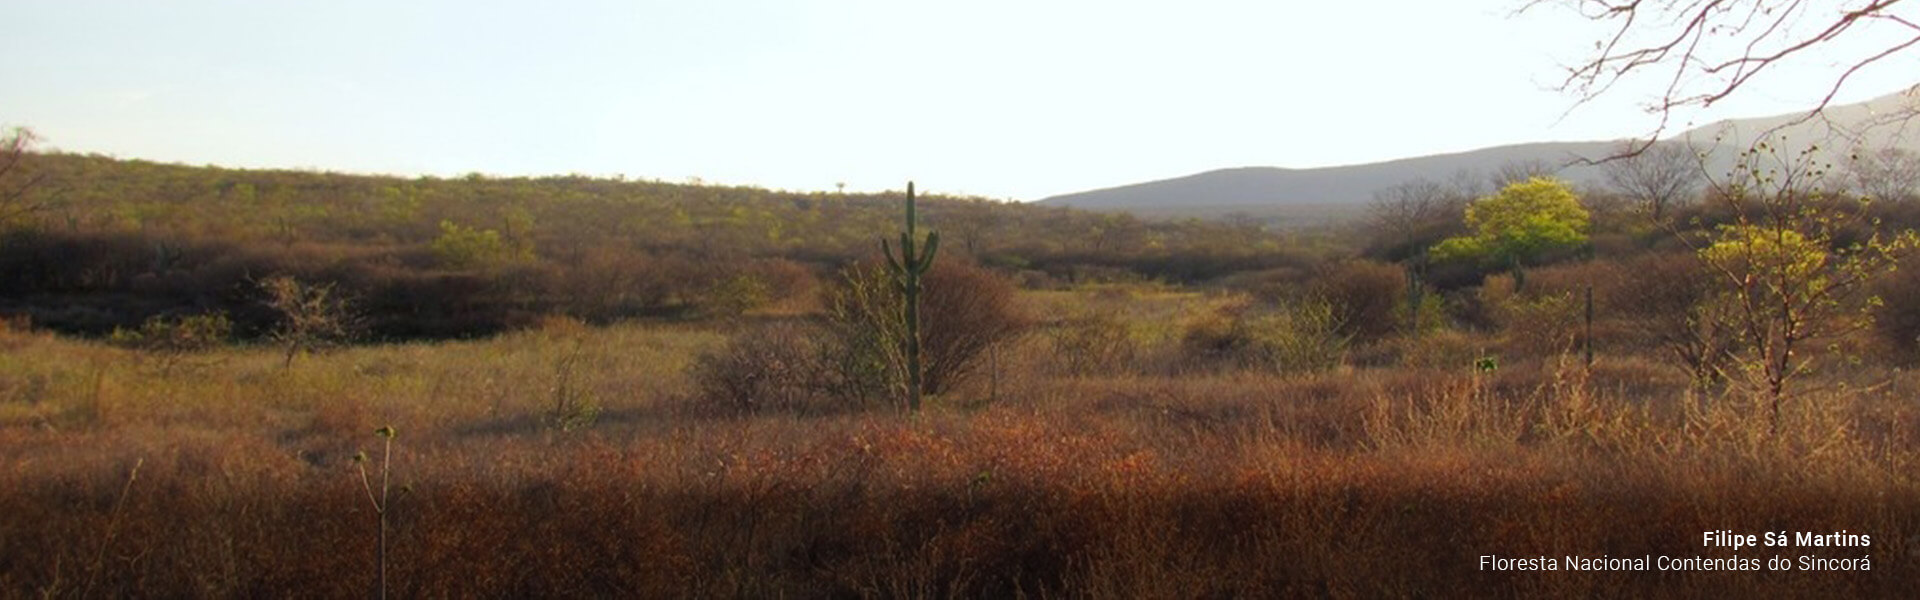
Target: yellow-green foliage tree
[462,247]
[1793,266]
[1520,223]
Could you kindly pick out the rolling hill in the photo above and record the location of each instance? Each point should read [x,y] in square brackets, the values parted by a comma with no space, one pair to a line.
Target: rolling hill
[1333,193]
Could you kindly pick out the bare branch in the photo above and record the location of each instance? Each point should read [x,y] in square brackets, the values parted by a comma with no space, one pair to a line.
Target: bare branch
[1706,51]
[16,180]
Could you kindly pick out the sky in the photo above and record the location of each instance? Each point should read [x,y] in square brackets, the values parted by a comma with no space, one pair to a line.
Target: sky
[1001,99]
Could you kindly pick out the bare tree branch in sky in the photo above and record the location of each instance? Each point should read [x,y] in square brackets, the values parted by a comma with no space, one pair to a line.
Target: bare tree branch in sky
[1704,51]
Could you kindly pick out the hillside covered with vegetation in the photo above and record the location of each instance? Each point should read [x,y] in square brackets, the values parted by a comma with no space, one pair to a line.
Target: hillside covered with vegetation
[119,241]
[220,382]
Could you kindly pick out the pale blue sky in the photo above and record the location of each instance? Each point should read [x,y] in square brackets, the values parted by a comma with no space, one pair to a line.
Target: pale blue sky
[1006,99]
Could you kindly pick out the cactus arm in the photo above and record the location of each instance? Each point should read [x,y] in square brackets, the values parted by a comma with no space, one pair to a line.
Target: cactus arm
[933,245]
[893,264]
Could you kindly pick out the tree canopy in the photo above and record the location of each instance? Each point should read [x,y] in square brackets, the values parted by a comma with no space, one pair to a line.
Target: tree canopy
[1519,223]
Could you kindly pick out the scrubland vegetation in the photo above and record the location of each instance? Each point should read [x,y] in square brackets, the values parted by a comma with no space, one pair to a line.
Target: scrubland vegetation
[605,388]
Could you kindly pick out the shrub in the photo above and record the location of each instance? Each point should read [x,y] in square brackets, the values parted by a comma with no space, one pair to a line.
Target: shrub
[1302,336]
[15,323]
[733,296]
[1532,324]
[778,367]
[1542,325]
[792,286]
[1368,297]
[1444,349]
[571,400]
[964,309]
[1092,343]
[313,316]
[1897,317]
[171,340]
[1668,301]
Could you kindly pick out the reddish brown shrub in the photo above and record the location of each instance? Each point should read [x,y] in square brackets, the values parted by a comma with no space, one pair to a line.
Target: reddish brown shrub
[1897,319]
[778,367]
[964,310]
[1364,295]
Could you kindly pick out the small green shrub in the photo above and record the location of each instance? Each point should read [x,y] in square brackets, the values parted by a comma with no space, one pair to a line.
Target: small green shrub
[734,296]
[461,247]
[171,340]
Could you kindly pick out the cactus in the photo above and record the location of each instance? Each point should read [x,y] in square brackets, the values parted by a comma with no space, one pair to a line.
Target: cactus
[1415,294]
[907,269]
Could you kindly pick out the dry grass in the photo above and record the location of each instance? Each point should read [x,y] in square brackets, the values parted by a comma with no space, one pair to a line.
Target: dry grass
[1368,482]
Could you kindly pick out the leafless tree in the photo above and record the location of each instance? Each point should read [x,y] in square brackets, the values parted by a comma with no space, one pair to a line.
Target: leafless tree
[1407,217]
[1708,50]
[1466,184]
[974,221]
[16,179]
[1402,211]
[1890,174]
[1663,175]
[1517,171]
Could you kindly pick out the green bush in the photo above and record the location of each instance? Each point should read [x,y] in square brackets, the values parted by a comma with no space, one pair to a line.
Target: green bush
[171,340]
[460,247]
[733,296]
[196,333]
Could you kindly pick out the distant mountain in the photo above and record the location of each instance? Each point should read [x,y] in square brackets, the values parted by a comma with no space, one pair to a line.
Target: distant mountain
[1334,192]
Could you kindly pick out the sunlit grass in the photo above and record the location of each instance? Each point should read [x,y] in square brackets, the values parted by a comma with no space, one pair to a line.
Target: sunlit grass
[1363,481]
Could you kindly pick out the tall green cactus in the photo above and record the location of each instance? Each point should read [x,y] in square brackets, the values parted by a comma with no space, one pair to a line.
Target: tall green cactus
[907,269]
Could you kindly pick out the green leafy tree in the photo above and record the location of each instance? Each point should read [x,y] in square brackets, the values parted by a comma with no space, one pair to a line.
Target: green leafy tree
[462,247]
[1519,224]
